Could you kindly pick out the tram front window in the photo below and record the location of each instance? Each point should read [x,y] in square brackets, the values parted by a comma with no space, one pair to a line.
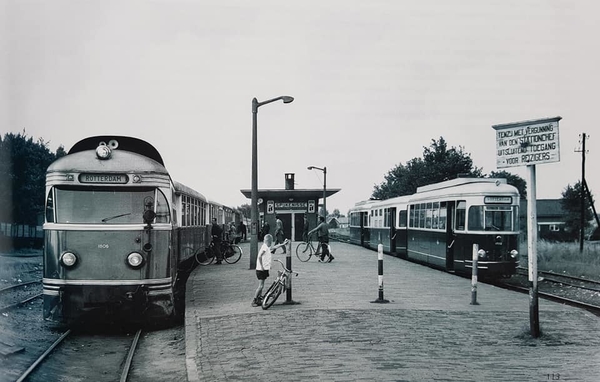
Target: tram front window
[491,218]
[107,206]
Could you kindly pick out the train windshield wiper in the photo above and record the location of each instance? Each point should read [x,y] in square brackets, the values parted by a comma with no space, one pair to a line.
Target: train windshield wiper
[114,217]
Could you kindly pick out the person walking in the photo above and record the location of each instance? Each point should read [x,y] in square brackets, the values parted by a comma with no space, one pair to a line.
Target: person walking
[242,230]
[216,232]
[279,235]
[266,229]
[305,229]
[323,234]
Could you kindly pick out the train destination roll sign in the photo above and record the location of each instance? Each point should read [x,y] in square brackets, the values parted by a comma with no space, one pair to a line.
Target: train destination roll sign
[527,143]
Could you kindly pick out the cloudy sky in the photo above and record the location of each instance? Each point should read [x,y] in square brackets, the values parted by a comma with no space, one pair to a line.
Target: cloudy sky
[373,81]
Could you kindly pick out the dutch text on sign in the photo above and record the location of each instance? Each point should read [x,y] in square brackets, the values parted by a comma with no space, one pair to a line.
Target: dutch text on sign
[520,145]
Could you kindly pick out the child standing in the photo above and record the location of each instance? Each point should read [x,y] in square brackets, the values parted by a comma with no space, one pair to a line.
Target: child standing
[263,265]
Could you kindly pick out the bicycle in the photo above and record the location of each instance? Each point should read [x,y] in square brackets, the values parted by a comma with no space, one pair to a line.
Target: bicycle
[305,250]
[279,285]
[231,253]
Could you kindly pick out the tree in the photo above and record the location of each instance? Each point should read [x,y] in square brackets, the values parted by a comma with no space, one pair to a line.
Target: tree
[513,180]
[23,165]
[336,213]
[246,210]
[439,163]
[571,204]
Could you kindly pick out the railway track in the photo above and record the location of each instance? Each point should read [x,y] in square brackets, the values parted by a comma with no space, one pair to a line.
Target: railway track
[85,356]
[20,295]
[570,290]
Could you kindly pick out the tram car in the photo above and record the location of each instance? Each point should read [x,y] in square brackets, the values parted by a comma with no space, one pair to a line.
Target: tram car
[439,224]
[117,231]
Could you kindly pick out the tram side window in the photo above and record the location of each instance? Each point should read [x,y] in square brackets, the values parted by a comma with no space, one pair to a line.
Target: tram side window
[412,222]
[162,208]
[461,214]
[402,219]
[422,213]
[443,216]
[50,208]
[435,215]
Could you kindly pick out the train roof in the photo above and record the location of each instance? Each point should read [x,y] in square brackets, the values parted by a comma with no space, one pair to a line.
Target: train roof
[124,143]
[87,161]
[181,188]
[463,187]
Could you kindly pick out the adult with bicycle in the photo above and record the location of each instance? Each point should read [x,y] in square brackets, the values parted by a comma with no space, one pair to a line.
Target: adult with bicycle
[263,265]
[216,232]
[322,231]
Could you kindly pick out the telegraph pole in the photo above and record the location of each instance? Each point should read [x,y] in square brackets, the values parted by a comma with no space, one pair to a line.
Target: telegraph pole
[582,193]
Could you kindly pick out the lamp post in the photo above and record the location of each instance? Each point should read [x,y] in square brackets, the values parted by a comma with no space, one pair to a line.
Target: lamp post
[254,193]
[324,169]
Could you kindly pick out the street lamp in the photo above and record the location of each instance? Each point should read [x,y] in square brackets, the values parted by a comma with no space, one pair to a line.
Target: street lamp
[254,193]
[324,169]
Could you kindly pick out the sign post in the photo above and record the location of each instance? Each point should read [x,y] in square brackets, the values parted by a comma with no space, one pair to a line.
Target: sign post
[529,143]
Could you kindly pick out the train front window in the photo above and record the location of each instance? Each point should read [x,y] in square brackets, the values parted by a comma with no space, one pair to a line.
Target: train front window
[491,218]
[109,206]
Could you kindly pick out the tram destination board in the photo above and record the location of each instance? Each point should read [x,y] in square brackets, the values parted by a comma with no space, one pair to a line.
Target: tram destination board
[527,143]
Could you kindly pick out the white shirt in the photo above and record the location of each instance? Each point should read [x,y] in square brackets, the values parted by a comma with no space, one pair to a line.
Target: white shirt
[264,254]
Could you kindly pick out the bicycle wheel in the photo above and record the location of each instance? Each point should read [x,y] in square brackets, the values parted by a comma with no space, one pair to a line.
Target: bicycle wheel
[233,254]
[304,251]
[205,257]
[272,295]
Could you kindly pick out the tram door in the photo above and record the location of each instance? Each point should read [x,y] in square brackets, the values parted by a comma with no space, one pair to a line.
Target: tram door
[450,236]
[392,220]
[364,237]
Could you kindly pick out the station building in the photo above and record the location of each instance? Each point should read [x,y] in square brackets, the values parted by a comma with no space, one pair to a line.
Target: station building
[291,205]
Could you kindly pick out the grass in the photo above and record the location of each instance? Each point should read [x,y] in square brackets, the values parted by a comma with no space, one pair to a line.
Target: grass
[566,258]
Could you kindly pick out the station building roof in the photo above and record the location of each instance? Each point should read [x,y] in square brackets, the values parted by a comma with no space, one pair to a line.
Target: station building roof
[298,194]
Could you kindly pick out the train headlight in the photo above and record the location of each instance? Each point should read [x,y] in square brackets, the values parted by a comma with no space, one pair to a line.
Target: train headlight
[103,151]
[514,253]
[68,259]
[481,253]
[135,260]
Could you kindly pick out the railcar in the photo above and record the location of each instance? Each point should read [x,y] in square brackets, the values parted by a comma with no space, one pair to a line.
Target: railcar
[439,224]
[117,231]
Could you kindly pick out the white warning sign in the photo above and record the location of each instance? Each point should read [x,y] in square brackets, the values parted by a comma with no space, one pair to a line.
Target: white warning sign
[527,143]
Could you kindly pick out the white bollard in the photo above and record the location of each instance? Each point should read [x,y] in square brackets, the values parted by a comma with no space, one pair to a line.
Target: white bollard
[474,275]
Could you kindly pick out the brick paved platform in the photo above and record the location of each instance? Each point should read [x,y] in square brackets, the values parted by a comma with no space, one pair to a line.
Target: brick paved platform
[428,331]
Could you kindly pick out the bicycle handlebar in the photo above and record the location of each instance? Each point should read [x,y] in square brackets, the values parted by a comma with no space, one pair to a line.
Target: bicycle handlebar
[283,265]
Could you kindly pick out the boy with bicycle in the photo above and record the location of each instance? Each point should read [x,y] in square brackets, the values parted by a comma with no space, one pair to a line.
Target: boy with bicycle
[323,234]
[263,265]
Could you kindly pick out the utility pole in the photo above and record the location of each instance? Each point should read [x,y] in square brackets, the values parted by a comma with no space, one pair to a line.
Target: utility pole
[582,193]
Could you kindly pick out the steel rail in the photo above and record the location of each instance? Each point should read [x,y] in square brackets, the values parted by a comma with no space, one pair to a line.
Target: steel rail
[5,308]
[43,356]
[127,366]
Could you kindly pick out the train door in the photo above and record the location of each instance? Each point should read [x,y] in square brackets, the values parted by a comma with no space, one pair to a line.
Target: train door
[392,221]
[363,229]
[450,236]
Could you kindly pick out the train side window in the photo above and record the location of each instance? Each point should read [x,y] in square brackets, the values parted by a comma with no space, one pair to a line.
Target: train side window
[435,215]
[461,214]
[50,208]
[162,208]
[422,212]
[443,216]
[402,219]
[411,222]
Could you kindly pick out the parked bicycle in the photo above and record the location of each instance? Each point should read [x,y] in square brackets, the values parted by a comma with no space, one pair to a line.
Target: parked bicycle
[305,250]
[279,285]
[231,253]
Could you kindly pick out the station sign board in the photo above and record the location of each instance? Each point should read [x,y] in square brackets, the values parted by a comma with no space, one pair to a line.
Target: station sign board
[527,143]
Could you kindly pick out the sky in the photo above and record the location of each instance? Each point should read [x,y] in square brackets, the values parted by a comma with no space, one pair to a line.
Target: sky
[374,83]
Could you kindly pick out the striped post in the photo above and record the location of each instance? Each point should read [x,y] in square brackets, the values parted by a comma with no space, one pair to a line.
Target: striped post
[474,275]
[380,300]
[288,265]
